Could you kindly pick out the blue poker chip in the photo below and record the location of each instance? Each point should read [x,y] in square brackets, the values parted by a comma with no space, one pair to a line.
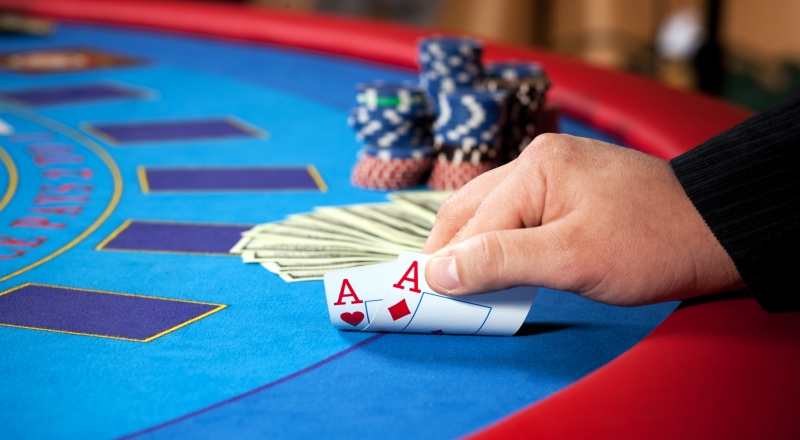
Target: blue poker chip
[385,127]
[449,63]
[463,74]
[459,77]
[392,114]
[384,88]
[452,62]
[407,133]
[441,48]
[418,152]
[388,140]
[476,108]
[379,125]
[405,98]
[514,70]
[470,128]
[450,42]
[466,141]
[436,85]
[356,119]
[388,117]
[469,118]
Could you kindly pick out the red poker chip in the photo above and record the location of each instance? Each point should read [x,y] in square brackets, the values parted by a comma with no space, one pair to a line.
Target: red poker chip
[374,173]
[447,175]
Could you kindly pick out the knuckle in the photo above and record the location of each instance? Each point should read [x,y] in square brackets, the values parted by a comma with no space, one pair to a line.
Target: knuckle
[545,143]
[543,149]
[553,146]
[546,139]
[552,152]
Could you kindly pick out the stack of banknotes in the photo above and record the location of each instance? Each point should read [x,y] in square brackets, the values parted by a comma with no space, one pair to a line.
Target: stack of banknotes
[305,246]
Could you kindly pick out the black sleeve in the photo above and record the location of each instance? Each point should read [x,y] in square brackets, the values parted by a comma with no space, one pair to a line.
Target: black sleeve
[744,182]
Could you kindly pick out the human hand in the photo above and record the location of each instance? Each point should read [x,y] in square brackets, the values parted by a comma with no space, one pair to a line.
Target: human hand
[608,223]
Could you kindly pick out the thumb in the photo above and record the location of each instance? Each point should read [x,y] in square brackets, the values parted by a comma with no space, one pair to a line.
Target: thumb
[496,260]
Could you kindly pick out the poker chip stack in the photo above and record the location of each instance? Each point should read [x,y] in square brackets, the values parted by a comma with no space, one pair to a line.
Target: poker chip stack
[466,136]
[485,117]
[395,123]
[526,113]
[448,64]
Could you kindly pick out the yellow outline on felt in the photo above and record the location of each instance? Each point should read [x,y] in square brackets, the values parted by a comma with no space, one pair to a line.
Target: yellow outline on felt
[102,245]
[106,292]
[235,121]
[13,101]
[312,170]
[247,127]
[142,92]
[13,178]
[113,235]
[144,184]
[89,128]
[96,149]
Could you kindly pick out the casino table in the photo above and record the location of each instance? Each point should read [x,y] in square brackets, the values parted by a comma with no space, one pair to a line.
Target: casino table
[141,138]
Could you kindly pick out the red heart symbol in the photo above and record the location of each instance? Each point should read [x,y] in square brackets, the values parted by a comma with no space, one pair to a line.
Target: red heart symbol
[353,319]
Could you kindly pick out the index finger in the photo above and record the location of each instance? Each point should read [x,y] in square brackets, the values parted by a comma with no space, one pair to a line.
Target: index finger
[456,211]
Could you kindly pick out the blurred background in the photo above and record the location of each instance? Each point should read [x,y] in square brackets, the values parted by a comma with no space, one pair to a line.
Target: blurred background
[744,51]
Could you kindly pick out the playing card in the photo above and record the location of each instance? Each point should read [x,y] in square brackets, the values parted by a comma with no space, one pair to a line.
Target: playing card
[411,306]
[445,315]
[354,295]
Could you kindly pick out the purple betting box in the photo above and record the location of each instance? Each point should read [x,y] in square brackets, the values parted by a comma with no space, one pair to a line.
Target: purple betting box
[103,314]
[172,131]
[228,179]
[175,237]
[71,93]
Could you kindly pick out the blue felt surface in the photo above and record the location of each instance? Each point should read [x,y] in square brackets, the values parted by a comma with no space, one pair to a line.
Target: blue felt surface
[65,386]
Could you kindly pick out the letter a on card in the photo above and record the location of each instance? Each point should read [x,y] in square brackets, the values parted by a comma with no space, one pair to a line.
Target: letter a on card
[347,290]
[354,295]
[411,275]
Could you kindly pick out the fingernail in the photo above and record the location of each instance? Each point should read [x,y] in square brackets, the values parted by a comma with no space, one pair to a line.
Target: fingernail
[444,273]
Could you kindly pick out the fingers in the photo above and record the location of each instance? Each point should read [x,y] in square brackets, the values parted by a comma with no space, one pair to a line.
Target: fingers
[517,202]
[498,237]
[461,206]
[501,259]
[509,206]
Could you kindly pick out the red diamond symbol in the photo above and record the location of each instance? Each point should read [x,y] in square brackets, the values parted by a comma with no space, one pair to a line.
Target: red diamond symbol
[399,310]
